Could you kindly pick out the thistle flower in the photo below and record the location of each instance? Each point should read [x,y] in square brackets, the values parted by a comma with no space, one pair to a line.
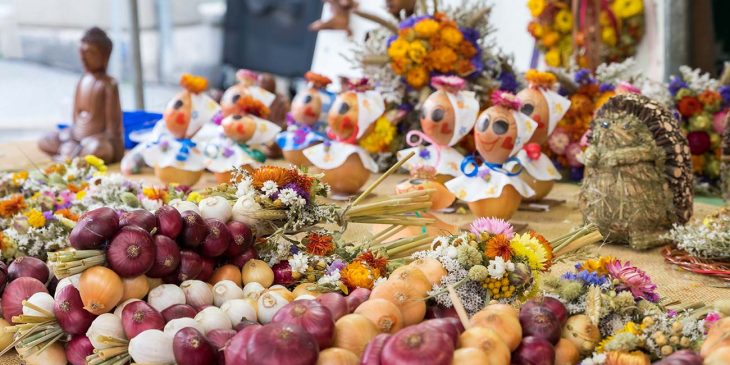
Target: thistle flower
[492,226]
[468,256]
[633,279]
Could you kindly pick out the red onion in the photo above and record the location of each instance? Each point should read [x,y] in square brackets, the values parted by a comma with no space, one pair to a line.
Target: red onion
[167,257]
[282,273]
[437,311]
[243,324]
[194,229]
[190,265]
[553,305]
[69,311]
[244,257]
[131,253]
[283,344]
[207,266]
[451,327]
[534,351]
[77,349]
[3,275]
[192,348]
[418,345]
[139,218]
[219,337]
[356,297]
[16,292]
[51,286]
[28,266]
[335,303]
[242,238]
[540,322]
[310,315]
[371,356]
[681,357]
[169,221]
[178,311]
[138,317]
[218,239]
[94,228]
[235,351]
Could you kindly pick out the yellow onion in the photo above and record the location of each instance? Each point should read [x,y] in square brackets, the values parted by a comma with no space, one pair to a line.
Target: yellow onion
[6,338]
[566,353]
[226,272]
[257,271]
[471,356]
[500,308]
[52,355]
[135,288]
[153,282]
[488,341]
[432,268]
[335,356]
[507,327]
[101,289]
[353,332]
[306,289]
[720,356]
[409,300]
[580,330]
[385,315]
[412,276]
[289,296]
[717,337]
[626,358]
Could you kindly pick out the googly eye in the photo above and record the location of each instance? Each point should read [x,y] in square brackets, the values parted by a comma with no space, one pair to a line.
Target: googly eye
[500,127]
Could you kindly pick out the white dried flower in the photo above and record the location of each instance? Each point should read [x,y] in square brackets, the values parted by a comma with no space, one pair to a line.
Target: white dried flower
[290,197]
[269,188]
[497,267]
[332,278]
[299,263]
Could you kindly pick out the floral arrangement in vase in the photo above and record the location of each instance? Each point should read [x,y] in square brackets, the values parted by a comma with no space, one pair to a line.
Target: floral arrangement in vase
[553,24]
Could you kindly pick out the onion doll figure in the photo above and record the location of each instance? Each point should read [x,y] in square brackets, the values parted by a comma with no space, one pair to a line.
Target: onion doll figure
[306,125]
[173,146]
[493,188]
[546,107]
[247,85]
[345,164]
[234,144]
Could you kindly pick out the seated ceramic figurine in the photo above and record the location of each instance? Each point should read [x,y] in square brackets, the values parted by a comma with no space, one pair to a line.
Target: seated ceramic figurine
[547,108]
[96,127]
[306,125]
[494,188]
[447,116]
[173,147]
[233,144]
[346,165]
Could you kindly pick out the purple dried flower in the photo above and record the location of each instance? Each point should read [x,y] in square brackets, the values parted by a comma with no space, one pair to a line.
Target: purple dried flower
[606,87]
[336,265]
[676,84]
[297,189]
[492,226]
[508,82]
[633,279]
[583,77]
[227,152]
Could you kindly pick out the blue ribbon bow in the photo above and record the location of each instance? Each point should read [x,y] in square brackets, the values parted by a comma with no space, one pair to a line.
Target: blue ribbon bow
[469,161]
[185,146]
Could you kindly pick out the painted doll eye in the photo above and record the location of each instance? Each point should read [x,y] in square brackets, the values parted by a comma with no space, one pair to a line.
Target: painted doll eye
[527,109]
[235,98]
[500,127]
[483,124]
[437,115]
[237,117]
[344,108]
[178,104]
[307,99]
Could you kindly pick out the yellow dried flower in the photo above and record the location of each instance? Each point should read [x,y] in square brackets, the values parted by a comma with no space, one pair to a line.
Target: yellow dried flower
[36,219]
[96,162]
[426,28]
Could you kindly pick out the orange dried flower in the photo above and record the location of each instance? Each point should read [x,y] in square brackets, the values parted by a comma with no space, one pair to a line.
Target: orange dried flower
[467,49]
[249,105]
[540,79]
[303,181]
[67,214]
[358,274]
[9,207]
[709,97]
[319,244]
[319,81]
[194,84]
[76,188]
[547,246]
[373,260]
[499,246]
[279,175]
[442,59]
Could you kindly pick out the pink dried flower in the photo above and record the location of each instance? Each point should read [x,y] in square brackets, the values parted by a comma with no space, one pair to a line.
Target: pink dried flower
[492,226]
[452,84]
[506,99]
[626,88]
[244,75]
[633,279]
[710,319]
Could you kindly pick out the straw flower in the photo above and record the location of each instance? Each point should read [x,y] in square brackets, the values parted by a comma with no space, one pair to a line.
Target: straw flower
[380,138]
[10,206]
[357,274]
[36,219]
[194,84]
[633,279]
[426,28]
[627,8]
[564,21]
[536,7]
[499,246]
[492,226]
[247,104]
[540,79]
[278,175]
[319,244]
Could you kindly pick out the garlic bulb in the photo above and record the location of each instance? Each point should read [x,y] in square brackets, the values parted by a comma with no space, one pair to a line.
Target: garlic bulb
[177,324]
[183,205]
[165,296]
[107,325]
[244,209]
[216,207]
[213,318]
[268,304]
[41,300]
[152,347]
[253,290]
[239,309]
[224,291]
[197,293]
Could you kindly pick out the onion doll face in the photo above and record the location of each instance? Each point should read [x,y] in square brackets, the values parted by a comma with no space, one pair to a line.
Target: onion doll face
[495,133]
[230,97]
[239,128]
[177,114]
[438,118]
[535,106]
[342,117]
[307,106]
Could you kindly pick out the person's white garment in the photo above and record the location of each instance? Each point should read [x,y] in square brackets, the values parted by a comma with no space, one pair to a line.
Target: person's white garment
[330,155]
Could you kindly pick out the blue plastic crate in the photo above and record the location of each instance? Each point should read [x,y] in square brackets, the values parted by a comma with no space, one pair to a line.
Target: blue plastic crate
[135,123]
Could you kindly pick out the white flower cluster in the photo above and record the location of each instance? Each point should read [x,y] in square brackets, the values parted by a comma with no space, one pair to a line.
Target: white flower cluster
[37,241]
[269,188]
[711,240]
[596,359]
[616,71]
[696,80]
[498,267]
[331,279]
[289,197]
[299,263]
[245,187]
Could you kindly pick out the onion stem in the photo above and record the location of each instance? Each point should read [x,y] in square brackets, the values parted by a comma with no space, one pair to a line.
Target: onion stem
[38,309]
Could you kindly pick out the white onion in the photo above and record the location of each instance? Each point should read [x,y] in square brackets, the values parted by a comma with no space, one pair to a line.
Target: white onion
[177,324]
[43,301]
[106,324]
[240,309]
[305,297]
[224,291]
[216,207]
[253,290]
[165,296]
[244,210]
[197,293]
[69,280]
[213,318]
[120,307]
[183,205]
[268,304]
[152,347]
[53,355]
